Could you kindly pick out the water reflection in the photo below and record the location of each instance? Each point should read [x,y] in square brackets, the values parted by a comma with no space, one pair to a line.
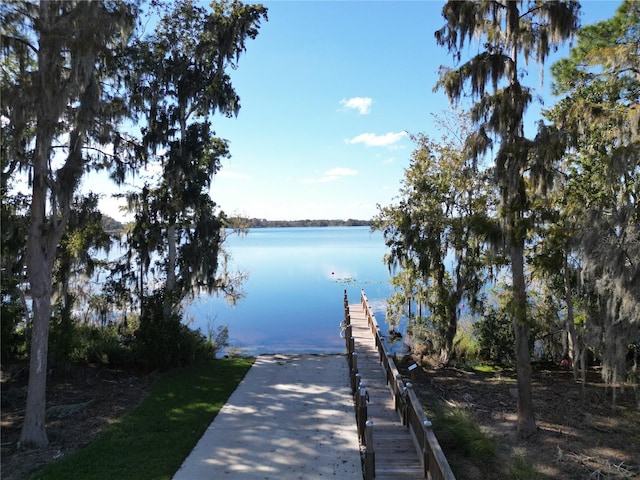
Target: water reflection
[294,293]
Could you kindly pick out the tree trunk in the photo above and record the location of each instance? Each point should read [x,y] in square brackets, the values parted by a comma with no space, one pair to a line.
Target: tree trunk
[449,334]
[526,418]
[571,328]
[41,250]
[33,428]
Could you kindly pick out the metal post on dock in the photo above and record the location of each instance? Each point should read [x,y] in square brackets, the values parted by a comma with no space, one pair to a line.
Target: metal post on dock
[370,454]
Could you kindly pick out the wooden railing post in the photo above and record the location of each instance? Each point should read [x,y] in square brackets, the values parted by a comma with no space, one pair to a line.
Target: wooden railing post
[362,410]
[354,388]
[370,454]
[354,371]
[397,387]
[426,457]
[405,413]
[387,370]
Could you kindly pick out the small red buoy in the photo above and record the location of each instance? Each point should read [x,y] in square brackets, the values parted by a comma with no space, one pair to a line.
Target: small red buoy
[331,273]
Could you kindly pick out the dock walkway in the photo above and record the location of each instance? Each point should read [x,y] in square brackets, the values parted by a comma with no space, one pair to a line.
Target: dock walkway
[396,457]
[398,440]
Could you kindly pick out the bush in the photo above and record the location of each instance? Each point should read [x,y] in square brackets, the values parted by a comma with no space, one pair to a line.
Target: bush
[465,344]
[460,432]
[84,344]
[166,342]
[495,337]
[62,332]
[102,346]
[217,338]
[12,339]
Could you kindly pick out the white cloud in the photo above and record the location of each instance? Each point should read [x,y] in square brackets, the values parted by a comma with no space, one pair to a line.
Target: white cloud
[373,140]
[330,175]
[362,104]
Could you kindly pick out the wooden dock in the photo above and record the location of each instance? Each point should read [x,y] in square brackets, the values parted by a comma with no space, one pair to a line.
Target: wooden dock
[396,457]
[398,439]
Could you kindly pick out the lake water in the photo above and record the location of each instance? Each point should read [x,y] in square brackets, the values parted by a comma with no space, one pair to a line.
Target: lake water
[294,293]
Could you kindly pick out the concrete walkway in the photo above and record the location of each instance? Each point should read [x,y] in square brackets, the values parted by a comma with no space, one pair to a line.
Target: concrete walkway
[291,417]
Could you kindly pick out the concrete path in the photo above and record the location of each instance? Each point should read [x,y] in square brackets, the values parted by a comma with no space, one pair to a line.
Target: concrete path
[291,417]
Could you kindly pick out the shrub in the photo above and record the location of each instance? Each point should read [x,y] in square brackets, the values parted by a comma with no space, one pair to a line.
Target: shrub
[495,337]
[458,433]
[166,342]
[13,344]
[465,344]
[101,345]
[217,337]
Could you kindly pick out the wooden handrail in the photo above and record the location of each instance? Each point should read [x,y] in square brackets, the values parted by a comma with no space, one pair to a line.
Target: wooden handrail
[406,402]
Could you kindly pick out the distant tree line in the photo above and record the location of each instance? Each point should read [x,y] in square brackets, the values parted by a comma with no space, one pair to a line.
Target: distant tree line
[262,223]
[112,225]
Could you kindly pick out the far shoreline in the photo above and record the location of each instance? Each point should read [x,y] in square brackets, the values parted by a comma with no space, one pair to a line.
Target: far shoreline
[112,225]
[263,223]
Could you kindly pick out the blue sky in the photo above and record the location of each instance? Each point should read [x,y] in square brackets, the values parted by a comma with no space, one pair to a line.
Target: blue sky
[329,91]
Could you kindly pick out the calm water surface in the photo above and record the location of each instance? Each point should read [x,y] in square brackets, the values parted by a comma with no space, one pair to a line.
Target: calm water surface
[294,293]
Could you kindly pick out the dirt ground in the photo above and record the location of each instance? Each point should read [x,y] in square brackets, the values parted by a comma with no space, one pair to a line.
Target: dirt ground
[80,403]
[580,436]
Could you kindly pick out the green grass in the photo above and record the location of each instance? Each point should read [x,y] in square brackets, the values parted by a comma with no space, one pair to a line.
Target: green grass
[487,368]
[463,435]
[521,470]
[468,448]
[152,440]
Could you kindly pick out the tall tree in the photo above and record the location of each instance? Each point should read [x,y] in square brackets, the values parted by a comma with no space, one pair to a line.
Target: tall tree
[179,81]
[53,100]
[438,230]
[600,117]
[507,32]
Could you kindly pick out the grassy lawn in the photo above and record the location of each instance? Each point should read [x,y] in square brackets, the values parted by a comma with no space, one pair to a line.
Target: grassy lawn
[152,440]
